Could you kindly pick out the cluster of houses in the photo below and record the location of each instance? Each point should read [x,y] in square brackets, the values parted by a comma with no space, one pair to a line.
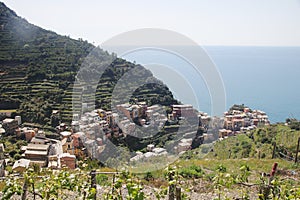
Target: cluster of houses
[97,126]
[44,152]
[237,121]
[9,125]
[88,134]
[140,113]
[40,151]
[151,152]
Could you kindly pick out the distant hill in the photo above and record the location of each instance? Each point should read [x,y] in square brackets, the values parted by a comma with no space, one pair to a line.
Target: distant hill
[38,68]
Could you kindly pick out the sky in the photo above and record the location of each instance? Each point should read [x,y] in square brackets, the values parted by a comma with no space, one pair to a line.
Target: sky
[207,22]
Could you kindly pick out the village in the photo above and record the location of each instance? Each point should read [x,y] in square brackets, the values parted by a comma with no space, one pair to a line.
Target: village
[88,134]
[238,121]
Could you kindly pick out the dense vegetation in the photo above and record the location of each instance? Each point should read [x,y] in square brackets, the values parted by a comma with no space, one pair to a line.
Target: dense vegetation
[38,67]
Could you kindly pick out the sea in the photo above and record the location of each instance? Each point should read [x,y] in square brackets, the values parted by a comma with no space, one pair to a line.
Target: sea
[262,78]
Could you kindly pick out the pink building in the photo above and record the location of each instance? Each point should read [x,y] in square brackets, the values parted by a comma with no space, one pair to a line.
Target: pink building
[77,141]
[182,110]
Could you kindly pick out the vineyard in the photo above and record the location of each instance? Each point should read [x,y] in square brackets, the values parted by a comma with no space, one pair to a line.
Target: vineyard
[192,179]
[239,167]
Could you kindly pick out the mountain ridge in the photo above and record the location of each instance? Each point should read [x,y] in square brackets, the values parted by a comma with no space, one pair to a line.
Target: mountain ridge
[38,68]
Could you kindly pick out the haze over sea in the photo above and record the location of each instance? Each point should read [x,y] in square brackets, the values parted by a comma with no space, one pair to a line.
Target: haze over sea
[264,78]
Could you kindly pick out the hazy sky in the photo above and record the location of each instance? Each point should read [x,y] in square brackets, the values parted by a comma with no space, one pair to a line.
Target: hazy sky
[208,22]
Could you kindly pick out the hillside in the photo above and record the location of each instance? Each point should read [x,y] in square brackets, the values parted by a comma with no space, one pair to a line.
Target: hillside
[38,68]
[241,175]
[256,144]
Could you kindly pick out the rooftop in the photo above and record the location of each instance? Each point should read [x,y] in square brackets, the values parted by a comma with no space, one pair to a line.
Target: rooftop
[78,135]
[64,155]
[159,150]
[182,106]
[21,163]
[37,152]
[65,133]
[38,140]
[38,147]
[89,142]
[2,130]
[149,154]
[7,120]
[23,148]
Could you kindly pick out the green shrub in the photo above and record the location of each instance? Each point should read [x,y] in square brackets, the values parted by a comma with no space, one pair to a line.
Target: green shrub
[192,171]
[17,156]
[102,179]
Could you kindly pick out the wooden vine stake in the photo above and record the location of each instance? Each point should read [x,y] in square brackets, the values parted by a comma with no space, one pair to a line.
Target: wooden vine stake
[297,151]
[274,150]
[93,181]
[178,193]
[25,188]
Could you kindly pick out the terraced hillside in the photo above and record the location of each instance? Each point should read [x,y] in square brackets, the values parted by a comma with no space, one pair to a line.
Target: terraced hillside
[38,68]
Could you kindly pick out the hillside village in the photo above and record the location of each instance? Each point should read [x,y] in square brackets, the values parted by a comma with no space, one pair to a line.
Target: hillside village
[88,135]
[239,120]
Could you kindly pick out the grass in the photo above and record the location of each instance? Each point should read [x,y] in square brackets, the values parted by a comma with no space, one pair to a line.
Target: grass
[233,147]
[256,144]
[155,164]
[233,165]
[287,137]
[2,185]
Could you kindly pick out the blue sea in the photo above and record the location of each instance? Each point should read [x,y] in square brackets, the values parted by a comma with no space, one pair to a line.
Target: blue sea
[264,78]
